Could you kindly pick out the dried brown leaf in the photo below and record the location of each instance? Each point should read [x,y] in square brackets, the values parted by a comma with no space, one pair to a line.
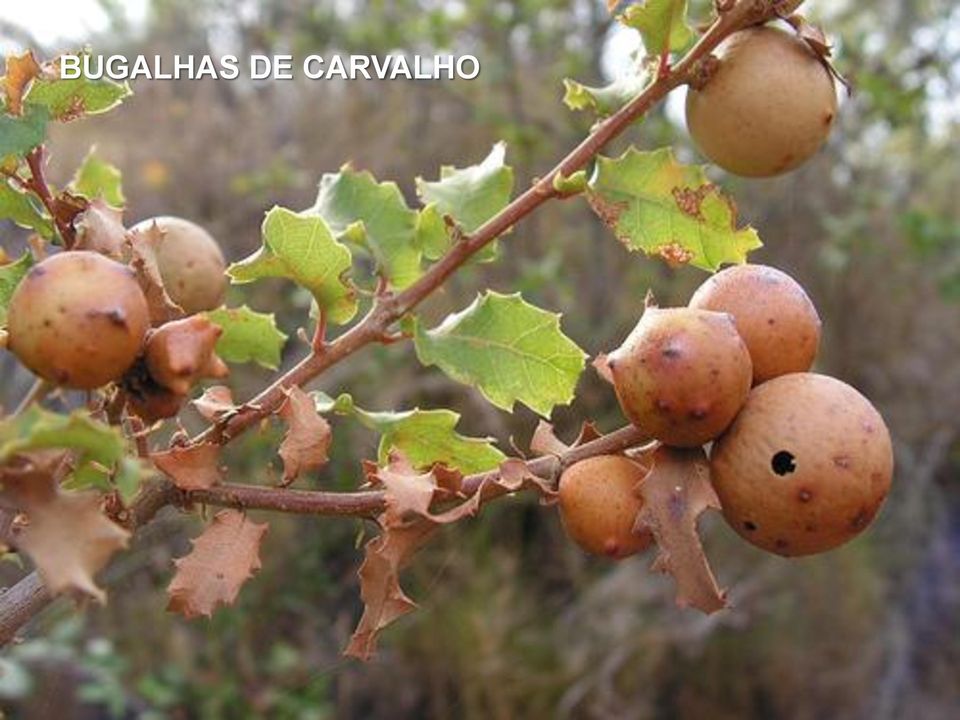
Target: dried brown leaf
[143,246]
[215,403]
[307,442]
[407,524]
[223,558]
[100,228]
[67,536]
[675,493]
[21,69]
[545,441]
[195,467]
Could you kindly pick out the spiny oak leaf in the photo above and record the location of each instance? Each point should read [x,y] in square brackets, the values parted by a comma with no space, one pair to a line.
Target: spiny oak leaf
[661,23]
[248,336]
[69,99]
[359,209]
[11,274]
[141,246]
[604,100]
[223,558]
[20,71]
[19,135]
[658,206]
[675,493]
[472,195]
[20,207]
[67,536]
[508,349]
[195,467]
[96,178]
[407,524]
[100,229]
[301,247]
[307,441]
[215,403]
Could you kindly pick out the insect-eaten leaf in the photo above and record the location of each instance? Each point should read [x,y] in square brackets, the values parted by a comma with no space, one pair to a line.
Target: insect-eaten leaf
[358,208]
[301,247]
[656,205]
[67,99]
[508,349]
[307,442]
[675,493]
[195,467]
[472,195]
[408,523]
[223,558]
[248,336]
[67,536]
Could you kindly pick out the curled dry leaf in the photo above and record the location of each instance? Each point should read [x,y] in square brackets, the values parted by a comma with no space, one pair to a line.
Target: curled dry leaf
[675,493]
[223,558]
[142,245]
[181,352]
[408,523]
[100,228]
[546,442]
[195,467]
[307,441]
[215,403]
[21,69]
[67,536]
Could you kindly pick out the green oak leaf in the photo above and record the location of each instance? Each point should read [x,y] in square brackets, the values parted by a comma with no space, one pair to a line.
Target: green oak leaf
[19,207]
[248,336]
[300,247]
[604,100]
[98,178]
[425,437]
[472,195]
[661,23]
[97,446]
[19,135]
[508,349]
[431,232]
[10,276]
[658,206]
[359,209]
[71,99]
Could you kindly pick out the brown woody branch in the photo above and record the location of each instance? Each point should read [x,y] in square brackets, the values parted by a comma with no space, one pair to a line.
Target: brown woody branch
[28,597]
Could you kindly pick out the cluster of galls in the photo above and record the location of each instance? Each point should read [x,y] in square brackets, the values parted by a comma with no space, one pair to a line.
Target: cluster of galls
[801,462]
[81,320]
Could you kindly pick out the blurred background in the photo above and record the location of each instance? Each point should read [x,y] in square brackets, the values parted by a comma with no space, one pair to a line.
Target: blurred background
[515,622]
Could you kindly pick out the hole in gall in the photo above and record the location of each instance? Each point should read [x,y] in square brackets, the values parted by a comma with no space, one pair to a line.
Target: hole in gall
[783,463]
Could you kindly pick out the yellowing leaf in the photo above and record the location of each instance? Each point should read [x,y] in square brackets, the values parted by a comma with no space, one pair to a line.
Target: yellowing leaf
[508,349]
[675,493]
[300,247]
[308,437]
[223,558]
[604,100]
[21,69]
[655,205]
